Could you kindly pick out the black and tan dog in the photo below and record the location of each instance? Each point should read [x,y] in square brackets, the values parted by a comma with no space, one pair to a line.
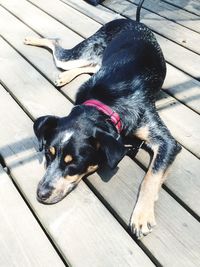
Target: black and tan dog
[116,102]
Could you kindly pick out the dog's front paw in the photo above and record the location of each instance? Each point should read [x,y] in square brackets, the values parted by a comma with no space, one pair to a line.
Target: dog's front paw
[142,220]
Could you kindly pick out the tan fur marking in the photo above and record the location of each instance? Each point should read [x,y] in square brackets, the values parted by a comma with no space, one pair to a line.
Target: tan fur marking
[92,168]
[98,145]
[52,150]
[68,159]
[60,189]
[72,178]
[142,133]
[150,186]
[143,218]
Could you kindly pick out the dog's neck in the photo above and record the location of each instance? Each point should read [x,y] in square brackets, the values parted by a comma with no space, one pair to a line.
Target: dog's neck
[114,116]
[85,118]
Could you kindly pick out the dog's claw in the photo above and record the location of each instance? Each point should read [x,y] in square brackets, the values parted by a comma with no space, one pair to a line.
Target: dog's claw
[58,81]
[141,223]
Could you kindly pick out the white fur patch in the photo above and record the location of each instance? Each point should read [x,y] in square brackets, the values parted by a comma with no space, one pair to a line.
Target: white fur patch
[72,64]
[67,136]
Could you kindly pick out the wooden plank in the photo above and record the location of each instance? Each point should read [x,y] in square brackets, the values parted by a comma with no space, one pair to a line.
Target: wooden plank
[22,241]
[19,78]
[37,18]
[178,118]
[183,88]
[98,13]
[191,6]
[173,53]
[69,13]
[65,12]
[169,29]
[81,227]
[174,13]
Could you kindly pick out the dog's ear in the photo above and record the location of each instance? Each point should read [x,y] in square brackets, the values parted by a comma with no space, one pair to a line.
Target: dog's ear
[42,128]
[113,149]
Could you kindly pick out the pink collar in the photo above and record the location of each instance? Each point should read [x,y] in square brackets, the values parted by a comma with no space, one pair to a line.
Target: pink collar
[114,116]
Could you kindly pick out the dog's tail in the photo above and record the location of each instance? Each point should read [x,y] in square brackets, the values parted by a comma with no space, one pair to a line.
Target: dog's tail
[138,10]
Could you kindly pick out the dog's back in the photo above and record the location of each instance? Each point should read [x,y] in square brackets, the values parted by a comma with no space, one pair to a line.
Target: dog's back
[131,61]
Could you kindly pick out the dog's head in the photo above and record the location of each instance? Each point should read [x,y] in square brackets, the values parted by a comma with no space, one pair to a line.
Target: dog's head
[74,146]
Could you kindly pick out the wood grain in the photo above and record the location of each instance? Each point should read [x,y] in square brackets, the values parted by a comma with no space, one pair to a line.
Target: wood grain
[22,241]
[173,13]
[191,6]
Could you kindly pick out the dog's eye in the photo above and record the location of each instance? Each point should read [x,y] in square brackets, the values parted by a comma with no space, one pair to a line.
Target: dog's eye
[52,150]
[68,159]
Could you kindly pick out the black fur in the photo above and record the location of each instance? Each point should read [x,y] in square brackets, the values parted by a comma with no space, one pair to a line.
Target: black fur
[94,2]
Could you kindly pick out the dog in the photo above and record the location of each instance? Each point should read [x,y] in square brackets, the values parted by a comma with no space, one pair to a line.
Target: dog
[116,103]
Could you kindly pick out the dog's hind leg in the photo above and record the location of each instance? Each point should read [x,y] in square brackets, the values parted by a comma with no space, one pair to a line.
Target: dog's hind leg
[164,149]
[86,53]
[64,59]
[85,57]
[67,76]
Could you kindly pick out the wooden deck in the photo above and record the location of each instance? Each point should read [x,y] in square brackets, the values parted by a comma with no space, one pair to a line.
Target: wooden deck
[89,228]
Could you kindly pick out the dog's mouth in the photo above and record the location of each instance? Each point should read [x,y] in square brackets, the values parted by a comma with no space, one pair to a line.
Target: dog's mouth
[51,193]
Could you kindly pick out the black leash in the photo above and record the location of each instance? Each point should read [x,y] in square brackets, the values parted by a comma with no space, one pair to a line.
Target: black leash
[138,10]
[133,150]
[133,145]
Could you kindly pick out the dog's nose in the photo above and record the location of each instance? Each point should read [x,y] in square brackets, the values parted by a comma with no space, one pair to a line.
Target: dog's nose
[43,194]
